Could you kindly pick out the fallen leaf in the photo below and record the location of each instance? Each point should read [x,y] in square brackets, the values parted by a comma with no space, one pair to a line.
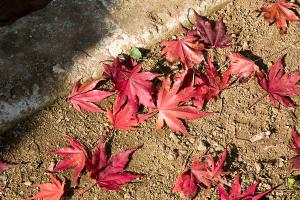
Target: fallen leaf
[187,184]
[186,50]
[50,191]
[280,86]
[109,173]
[135,53]
[204,173]
[120,69]
[4,166]
[295,161]
[169,100]
[75,157]
[83,96]
[136,89]
[280,13]
[237,194]
[242,66]
[216,83]
[211,36]
[126,118]
[210,171]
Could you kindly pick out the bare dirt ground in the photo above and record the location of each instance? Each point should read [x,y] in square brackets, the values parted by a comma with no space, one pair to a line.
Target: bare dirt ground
[160,158]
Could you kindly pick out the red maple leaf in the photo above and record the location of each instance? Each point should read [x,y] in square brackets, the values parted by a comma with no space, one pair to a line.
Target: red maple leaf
[109,173]
[135,89]
[242,66]
[75,158]
[169,100]
[4,166]
[280,13]
[280,86]
[200,173]
[216,83]
[126,118]
[209,172]
[186,50]
[212,37]
[237,194]
[120,69]
[295,161]
[83,96]
[50,191]
[187,184]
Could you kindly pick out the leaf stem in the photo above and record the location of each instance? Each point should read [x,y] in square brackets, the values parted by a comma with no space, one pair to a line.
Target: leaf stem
[87,189]
[258,100]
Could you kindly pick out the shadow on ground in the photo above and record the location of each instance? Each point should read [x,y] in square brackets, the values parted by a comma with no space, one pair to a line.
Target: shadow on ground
[37,51]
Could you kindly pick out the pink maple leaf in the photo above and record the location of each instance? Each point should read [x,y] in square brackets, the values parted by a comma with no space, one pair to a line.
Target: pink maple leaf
[186,50]
[75,158]
[83,96]
[169,100]
[50,191]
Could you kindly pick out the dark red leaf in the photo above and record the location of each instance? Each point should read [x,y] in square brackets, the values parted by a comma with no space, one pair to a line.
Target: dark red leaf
[295,161]
[215,83]
[136,89]
[279,85]
[120,69]
[236,192]
[110,173]
[280,13]
[75,158]
[211,36]
[50,191]
[209,172]
[83,96]
[186,50]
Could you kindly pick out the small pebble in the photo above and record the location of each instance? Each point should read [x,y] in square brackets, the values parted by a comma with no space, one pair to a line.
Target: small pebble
[201,146]
[192,140]
[27,183]
[127,196]
[257,167]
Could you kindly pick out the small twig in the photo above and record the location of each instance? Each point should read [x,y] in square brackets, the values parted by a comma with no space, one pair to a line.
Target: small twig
[188,16]
[87,189]
[83,51]
[187,160]
[258,100]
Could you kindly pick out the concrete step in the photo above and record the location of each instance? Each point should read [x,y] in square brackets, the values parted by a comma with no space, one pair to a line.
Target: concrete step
[45,52]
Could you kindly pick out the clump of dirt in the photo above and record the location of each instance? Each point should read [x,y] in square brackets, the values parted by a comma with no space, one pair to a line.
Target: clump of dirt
[163,151]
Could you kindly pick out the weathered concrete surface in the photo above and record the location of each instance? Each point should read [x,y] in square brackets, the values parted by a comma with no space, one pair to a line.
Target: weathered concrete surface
[42,54]
[11,10]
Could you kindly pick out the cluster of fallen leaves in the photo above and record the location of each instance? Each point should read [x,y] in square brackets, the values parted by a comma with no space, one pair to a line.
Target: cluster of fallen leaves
[107,172]
[179,96]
